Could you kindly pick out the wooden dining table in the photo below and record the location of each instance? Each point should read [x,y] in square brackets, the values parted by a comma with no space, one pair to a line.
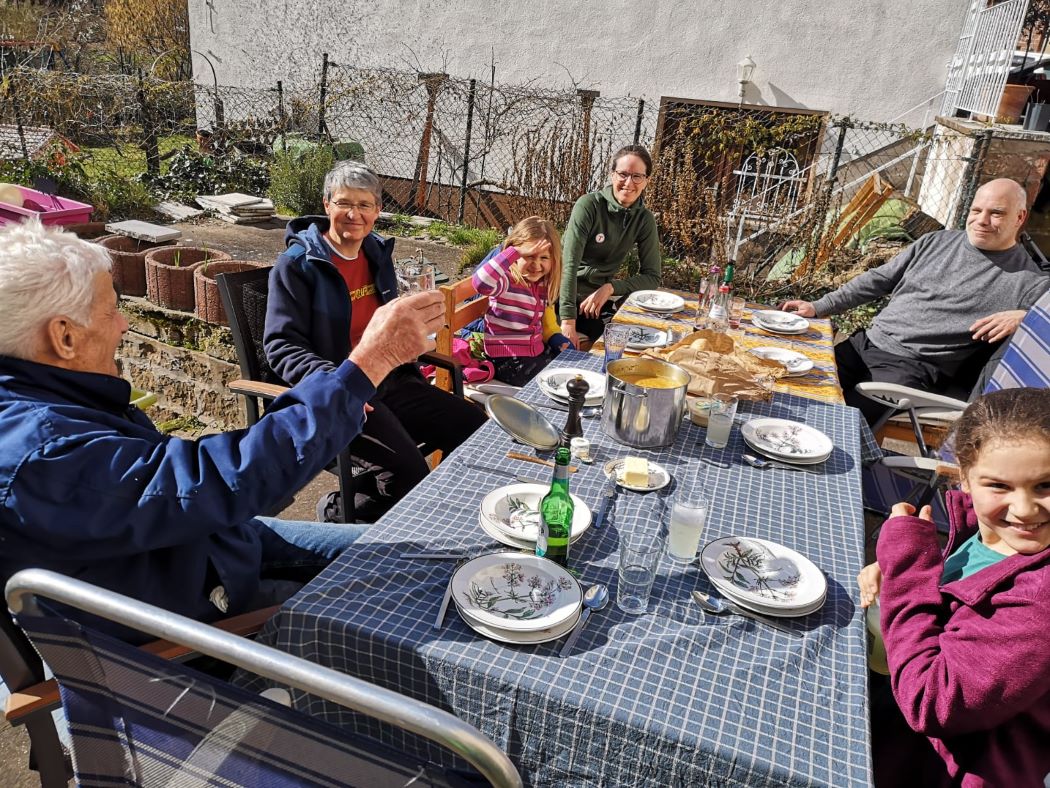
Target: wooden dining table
[670,697]
[820,383]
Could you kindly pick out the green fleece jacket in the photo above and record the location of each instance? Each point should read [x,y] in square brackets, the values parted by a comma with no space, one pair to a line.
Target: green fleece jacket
[595,243]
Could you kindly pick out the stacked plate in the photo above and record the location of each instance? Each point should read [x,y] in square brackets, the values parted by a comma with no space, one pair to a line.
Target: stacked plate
[553,384]
[511,515]
[763,576]
[643,338]
[780,322]
[794,362]
[657,301]
[517,598]
[787,441]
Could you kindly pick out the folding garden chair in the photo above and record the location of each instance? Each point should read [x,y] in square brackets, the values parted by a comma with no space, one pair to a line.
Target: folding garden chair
[1023,362]
[244,296]
[135,719]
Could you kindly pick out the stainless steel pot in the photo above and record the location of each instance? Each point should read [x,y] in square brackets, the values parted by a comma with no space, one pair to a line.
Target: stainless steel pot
[643,416]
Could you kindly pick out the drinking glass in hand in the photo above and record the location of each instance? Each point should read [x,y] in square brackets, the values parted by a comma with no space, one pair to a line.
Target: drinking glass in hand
[637,571]
[414,277]
[688,515]
[720,420]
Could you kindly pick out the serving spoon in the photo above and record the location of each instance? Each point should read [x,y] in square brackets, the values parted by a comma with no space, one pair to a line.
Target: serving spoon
[594,598]
[758,462]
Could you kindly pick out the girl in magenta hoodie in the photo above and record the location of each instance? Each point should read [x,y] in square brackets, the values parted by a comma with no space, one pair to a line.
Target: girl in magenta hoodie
[966,630]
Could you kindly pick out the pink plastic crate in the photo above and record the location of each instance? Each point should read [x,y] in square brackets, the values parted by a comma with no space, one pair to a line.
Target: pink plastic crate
[49,208]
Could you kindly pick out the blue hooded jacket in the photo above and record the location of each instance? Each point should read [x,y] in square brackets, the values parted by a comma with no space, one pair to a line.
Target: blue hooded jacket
[308,309]
[91,489]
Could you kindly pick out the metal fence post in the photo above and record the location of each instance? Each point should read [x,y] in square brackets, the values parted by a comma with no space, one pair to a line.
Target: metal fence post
[471,96]
[638,121]
[321,127]
[18,123]
[587,98]
[972,177]
[149,131]
[280,116]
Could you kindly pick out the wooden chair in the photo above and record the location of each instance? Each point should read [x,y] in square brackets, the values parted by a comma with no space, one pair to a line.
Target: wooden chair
[463,305]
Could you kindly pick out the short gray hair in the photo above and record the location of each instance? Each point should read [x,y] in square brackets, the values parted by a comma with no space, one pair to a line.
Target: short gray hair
[44,273]
[352,175]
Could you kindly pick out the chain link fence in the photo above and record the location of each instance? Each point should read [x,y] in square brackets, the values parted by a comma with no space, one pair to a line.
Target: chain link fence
[787,193]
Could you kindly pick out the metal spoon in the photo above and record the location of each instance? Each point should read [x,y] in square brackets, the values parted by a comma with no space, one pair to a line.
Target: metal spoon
[758,462]
[594,598]
[718,606]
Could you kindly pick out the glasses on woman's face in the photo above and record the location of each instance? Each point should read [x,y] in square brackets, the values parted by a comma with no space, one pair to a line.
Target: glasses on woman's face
[633,177]
[356,207]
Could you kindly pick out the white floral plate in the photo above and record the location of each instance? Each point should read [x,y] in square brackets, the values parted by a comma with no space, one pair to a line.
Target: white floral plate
[553,384]
[658,475]
[789,440]
[514,510]
[657,301]
[780,322]
[766,610]
[643,337]
[510,541]
[763,573]
[522,638]
[516,591]
[794,362]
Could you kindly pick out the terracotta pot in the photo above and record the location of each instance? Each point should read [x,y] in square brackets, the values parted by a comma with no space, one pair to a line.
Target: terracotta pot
[87,230]
[206,291]
[1011,105]
[169,274]
[129,268]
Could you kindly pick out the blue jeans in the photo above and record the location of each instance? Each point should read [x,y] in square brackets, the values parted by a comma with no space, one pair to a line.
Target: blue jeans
[294,552]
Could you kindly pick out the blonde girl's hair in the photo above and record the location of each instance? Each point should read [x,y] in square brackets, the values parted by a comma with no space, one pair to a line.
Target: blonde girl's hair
[1007,415]
[535,228]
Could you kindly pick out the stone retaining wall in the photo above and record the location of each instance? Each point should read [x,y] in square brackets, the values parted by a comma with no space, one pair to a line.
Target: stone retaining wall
[184,361]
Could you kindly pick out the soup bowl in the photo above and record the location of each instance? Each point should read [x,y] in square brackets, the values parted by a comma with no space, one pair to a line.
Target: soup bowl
[644,402]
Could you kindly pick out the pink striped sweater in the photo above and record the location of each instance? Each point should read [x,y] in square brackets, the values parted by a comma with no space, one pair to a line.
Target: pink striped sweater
[514,320]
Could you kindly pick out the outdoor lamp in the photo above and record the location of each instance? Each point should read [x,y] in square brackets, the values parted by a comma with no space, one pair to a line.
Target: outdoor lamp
[745,70]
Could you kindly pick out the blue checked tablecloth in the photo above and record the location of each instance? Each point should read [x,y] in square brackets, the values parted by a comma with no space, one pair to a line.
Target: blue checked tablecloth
[667,698]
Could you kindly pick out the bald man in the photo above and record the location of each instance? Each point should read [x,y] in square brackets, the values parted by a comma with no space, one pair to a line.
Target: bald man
[951,292]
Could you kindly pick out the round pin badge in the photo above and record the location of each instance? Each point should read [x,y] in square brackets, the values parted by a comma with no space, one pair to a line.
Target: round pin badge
[600,238]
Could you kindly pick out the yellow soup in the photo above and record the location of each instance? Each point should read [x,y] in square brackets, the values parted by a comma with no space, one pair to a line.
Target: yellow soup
[649,381]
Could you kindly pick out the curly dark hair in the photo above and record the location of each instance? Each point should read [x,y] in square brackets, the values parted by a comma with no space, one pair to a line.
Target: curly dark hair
[1009,414]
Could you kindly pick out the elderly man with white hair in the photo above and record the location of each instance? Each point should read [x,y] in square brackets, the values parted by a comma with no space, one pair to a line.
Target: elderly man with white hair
[90,488]
[949,292]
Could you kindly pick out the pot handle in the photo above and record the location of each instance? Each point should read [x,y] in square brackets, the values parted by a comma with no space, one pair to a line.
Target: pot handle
[623,392]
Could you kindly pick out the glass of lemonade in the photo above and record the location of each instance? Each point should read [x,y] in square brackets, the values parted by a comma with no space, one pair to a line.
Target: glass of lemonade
[720,416]
[686,524]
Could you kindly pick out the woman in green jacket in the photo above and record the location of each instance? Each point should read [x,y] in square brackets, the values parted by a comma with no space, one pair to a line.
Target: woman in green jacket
[603,227]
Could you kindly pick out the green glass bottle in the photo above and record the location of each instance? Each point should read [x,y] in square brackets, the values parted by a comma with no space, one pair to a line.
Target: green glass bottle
[556,514]
[730,270]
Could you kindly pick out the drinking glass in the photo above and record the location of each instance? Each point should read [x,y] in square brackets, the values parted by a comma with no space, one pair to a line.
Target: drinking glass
[615,340]
[686,524]
[414,277]
[736,312]
[720,420]
[677,332]
[638,561]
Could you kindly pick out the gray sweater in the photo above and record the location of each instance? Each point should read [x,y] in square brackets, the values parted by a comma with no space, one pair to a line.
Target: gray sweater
[939,286]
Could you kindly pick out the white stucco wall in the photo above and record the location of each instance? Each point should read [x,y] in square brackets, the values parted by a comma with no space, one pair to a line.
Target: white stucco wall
[874,59]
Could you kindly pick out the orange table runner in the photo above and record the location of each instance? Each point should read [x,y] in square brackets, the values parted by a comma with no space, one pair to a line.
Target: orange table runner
[820,383]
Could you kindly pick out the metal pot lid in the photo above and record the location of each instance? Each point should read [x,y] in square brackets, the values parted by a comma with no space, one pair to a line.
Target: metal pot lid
[522,422]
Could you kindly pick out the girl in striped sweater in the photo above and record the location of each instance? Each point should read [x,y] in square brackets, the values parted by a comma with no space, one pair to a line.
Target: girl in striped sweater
[521,279]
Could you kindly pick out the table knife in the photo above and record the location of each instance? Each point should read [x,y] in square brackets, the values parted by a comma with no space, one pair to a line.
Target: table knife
[440,620]
[608,494]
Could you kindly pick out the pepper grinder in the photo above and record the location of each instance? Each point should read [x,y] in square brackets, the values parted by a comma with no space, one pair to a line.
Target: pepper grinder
[577,388]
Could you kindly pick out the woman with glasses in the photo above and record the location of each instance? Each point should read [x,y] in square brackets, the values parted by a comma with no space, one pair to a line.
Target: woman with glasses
[603,228]
[324,289]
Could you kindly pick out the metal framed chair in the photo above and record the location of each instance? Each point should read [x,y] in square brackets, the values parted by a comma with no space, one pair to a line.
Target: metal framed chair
[244,296]
[136,719]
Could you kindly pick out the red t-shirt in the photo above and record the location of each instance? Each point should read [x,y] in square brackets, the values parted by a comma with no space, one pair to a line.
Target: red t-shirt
[363,299]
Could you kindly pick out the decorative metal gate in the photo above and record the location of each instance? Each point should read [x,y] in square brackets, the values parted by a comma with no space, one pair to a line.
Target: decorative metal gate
[982,62]
[767,187]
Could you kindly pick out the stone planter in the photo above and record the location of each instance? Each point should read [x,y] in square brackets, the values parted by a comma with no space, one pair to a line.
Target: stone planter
[169,274]
[129,267]
[87,230]
[206,291]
